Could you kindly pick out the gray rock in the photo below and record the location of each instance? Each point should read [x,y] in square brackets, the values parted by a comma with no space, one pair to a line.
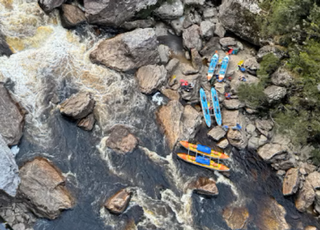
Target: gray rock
[190,123]
[177,25]
[191,17]
[143,23]
[209,12]
[305,197]
[121,140]
[237,139]
[9,179]
[111,13]
[151,77]
[172,65]
[196,59]
[207,28]
[170,10]
[48,5]
[191,38]
[264,126]
[240,18]
[128,51]
[287,164]
[224,143]
[194,2]
[187,69]
[19,226]
[262,140]
[275,93]
[268,151]
[42,189]
[71,16]
[217,133]
[314,179]
[210,47]
[291,182]
[251,65]
[269,49]
[11,118]
[281,78]
[253,143]
[317,203]
[233,104]
[220,30]
[228,41]
[251,129]
[164,53]
[78,105]
[161,29]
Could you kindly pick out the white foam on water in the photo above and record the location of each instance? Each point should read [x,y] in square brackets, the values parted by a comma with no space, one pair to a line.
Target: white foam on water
[157,98]
[15,150]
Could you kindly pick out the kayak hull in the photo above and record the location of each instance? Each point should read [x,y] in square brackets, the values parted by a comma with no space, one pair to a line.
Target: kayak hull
[213,154]
[213,165]
[213,63]
[223,69]
[216,106]
[205,107]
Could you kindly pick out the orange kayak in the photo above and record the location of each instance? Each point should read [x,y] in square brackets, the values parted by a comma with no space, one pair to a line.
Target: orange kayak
[204,150]
[203,162]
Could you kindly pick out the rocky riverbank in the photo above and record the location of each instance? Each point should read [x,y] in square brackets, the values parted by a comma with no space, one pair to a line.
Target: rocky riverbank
[203,27]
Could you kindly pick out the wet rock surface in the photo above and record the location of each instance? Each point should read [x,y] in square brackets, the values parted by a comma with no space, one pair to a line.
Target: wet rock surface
[87,123]
[151,77]
[121,140]
[236,217]
[42,189]
[77,106]
[118,202]
[11,118]
[48,5]
[205,186]
[305,197]
[128,51]
[9,179]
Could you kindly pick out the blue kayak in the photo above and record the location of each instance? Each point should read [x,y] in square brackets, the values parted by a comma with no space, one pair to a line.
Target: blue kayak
[212,66]
[205,108]
[216,106]
[223,69]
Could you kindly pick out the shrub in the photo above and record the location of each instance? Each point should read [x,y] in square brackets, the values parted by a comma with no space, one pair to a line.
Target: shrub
[268,65]
[252,95]
[316,156]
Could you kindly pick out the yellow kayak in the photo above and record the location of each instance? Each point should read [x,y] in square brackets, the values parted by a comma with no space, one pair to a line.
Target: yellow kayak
[204,150]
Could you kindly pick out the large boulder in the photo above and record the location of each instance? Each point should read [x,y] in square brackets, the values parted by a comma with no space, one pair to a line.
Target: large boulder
[77,106]
[87,123]
[237,139]
[263,51]
[268,151]
[71,16]
[291,182]
[170,10]
[314,179]
[121,140]
[114,12]
[191,38]
[11,118]
[217,133]
[305,197]
[151,77]
[233,104]
[281,77]
[205,186]
[128,51]
[207,28]
[42,189]
[230,117]
[236,217]
[190,123]
[251,65]
[170,118]
[194,2]
[240,17]
[264,126]
[9,172]
[118,202]
[275,93]
[48,5]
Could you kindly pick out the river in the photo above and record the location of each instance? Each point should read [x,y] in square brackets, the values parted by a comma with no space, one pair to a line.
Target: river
[48,65]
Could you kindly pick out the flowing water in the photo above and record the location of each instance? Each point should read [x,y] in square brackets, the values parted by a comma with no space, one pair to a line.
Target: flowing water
[51,63]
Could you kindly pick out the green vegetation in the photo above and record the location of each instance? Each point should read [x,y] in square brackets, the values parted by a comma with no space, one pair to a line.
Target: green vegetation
[295,24]
[252,95]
